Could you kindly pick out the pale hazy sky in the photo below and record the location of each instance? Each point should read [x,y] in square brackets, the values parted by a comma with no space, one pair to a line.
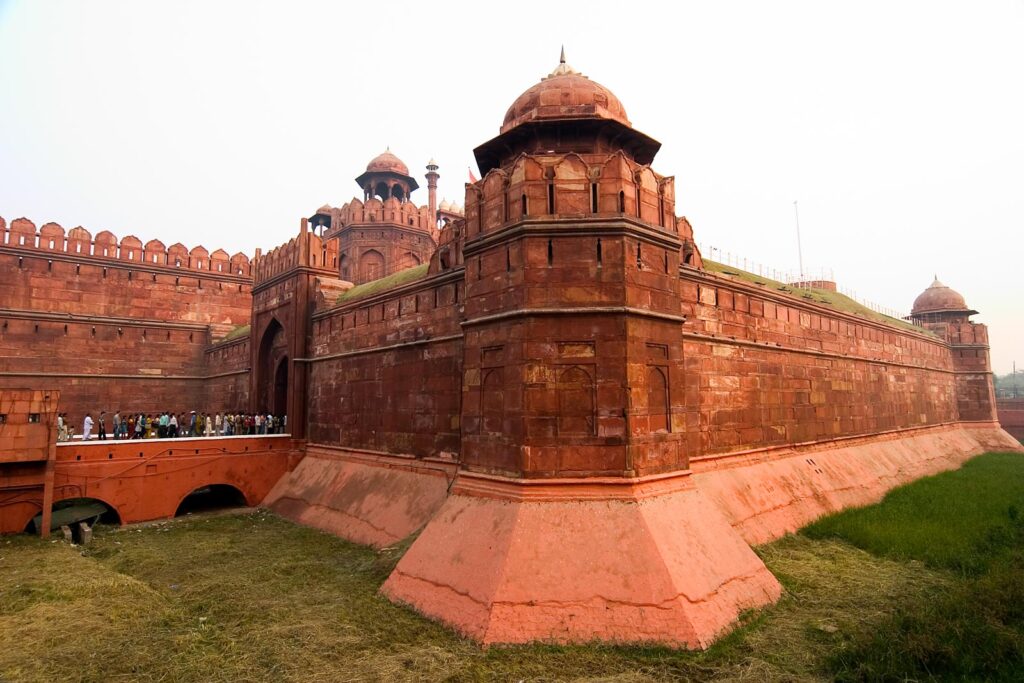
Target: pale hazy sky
[899,126]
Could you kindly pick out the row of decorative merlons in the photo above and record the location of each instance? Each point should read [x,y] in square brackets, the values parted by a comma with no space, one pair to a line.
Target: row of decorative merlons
[79,241]
[391,210]
[570,185]
[306,249]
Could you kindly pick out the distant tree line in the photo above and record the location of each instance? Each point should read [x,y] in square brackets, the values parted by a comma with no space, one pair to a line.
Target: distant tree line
[1010,385]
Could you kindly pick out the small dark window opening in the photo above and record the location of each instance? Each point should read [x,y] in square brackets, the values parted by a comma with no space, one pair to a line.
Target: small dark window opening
[65,330]
[622,201]
[168,336]
[37,328]
[3,418]
[666,261]
[456,293]
[190,336]
[508,260]
[479,267]
[599,255]
[551,253]
[154,277]
[639,257]
[49,266]
[551,198]
[94,331]
[638,201]
[78,270]
[33,418]
[20,261]
[144,335]
[120,332]
[129,275]
[593,197]
[525,210]
[177,280]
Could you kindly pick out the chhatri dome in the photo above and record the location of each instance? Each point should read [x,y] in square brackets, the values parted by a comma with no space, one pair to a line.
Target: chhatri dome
[939,298]
[565,112]
[387,176]
[386,162]
[564,94]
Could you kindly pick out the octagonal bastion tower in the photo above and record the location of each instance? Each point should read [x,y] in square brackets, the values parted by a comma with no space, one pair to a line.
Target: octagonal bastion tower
[573,517]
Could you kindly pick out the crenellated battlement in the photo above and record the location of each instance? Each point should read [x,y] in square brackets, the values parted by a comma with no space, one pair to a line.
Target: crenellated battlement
[306,250]
[389,211]
[105,248]
[568,185]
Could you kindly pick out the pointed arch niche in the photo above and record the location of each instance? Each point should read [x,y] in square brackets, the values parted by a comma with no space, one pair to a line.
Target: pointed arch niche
[576,415]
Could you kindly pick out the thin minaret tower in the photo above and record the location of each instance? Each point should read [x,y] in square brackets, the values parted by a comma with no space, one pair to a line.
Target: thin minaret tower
[432,176]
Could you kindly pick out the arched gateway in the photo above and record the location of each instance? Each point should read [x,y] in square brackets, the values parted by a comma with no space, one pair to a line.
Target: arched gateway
[272,371]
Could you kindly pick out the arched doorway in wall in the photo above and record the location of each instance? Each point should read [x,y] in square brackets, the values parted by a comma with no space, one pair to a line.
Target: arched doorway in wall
[272,369]
[371,266]
[280,406]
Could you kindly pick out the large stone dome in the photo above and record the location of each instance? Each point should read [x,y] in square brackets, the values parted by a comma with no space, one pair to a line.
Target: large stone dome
[938,298]
[387,162]
[565,94]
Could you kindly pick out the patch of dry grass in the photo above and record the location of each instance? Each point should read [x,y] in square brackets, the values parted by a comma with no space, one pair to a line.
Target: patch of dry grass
[256,598]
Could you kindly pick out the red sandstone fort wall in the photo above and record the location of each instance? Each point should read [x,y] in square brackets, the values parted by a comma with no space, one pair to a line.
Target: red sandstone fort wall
[771,370]
[1011,416]
[386,371]
[758,369]
[113,324]
[226,387]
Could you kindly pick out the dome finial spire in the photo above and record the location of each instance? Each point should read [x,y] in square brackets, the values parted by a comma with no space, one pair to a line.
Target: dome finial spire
[563,69]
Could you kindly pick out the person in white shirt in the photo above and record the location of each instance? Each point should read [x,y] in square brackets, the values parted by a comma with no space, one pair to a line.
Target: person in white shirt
[87,427]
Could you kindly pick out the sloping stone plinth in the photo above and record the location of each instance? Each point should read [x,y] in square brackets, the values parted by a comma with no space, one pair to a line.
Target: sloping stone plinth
[769,493]
[368,498]
[513,561]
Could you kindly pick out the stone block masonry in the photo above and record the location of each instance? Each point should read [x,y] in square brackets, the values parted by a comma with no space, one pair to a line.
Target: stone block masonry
[116,324]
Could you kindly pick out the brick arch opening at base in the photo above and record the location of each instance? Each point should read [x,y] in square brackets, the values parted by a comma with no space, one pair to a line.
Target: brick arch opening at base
[273,369]
[210,497]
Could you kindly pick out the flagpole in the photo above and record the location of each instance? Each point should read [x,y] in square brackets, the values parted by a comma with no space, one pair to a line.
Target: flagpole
[799,247]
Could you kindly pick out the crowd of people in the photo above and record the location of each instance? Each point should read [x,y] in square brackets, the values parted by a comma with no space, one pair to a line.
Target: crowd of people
[170,425]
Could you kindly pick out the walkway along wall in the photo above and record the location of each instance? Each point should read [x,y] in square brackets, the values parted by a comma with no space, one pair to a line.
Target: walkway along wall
[141,480]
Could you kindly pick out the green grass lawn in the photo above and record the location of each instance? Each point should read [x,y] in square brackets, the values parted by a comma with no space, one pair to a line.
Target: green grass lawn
[252,597]
[963,520]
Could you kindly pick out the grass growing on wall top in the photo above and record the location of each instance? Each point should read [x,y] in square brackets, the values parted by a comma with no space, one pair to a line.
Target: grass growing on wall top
[385,283]
[240,331]
[836,300]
